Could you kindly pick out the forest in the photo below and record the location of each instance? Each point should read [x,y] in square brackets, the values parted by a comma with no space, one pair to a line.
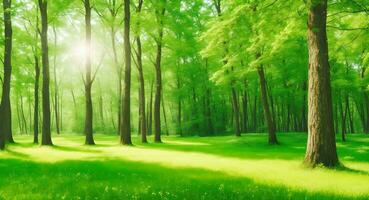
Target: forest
[184,99]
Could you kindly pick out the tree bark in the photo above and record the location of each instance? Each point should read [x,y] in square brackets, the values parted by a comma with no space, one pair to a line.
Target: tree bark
[236,112]
[56,88]
[142,99]
[46,116]
[125,134]
[5,107]
[321,145]
[89,80]
[36,96]
[159,15]
[267,114]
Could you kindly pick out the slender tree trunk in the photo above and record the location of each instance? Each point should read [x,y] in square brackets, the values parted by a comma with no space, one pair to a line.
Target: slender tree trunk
[255,122]
[149,121]
[125,134]
[236,113]
[207,107]
[20,124]
[267,115]
[35,112]
[350,115]
[46,116]
[165,116]
[160,15]
[245,110]
[179,113]
[88,80]
[117,66]
[5,107]
[321,146]
[56,96]
[343,112]
[101,111]
[142,100]
[23,117]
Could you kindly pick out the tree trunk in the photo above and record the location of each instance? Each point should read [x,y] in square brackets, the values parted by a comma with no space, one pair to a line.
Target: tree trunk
[35,113]
[125,134]
[245,110]
[149,117]
[56,96]
[267,115]
[321,146]
[179,113]
[142,100]
[236,112]
[23,117]
[343,112]
[165,116]
[157,124]
[88,81]
[46,132]
[5,107]
[113,32]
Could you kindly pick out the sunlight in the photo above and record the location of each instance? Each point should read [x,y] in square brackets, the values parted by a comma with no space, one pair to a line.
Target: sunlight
[81,50]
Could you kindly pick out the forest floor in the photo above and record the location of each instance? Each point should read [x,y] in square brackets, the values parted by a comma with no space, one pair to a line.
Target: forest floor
[190,168]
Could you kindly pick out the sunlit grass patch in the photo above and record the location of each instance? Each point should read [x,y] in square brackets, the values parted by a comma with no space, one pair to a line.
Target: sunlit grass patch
[235,163]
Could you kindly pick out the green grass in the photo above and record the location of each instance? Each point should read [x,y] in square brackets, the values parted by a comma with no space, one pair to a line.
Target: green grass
[181,168]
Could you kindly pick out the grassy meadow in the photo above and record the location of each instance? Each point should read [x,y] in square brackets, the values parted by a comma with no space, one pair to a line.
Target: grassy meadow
[222,167]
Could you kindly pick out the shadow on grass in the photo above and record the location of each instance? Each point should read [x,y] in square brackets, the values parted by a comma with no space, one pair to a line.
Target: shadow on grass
[114,179]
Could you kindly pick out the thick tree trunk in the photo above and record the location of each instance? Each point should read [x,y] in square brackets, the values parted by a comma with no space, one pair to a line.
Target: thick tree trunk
[36,96]
[46,116]
[267,114]
[321,145]
[88,81]
[5,107]
[157,123]
[125,134]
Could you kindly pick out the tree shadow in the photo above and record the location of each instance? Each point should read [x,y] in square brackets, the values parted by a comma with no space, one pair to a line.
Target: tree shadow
[117,179]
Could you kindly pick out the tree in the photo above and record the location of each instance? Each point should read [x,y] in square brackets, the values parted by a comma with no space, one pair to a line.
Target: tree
[159,13]
[5,107]
[125,134]
[46,132]
[321,146]
[142,101]
[88,79]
